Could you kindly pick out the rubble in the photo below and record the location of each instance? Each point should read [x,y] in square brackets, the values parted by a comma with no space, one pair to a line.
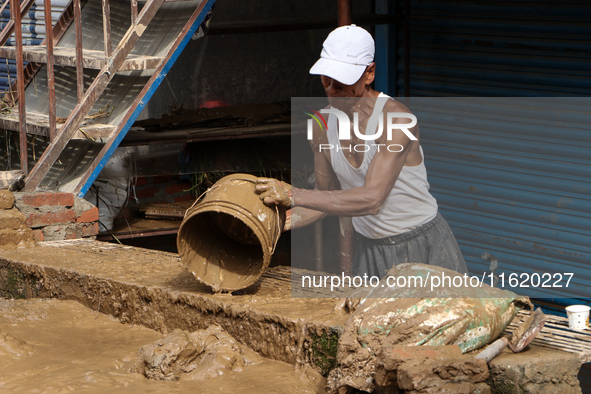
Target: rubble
[195,356]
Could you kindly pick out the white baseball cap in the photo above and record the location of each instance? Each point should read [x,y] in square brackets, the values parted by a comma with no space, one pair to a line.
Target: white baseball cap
[346,52]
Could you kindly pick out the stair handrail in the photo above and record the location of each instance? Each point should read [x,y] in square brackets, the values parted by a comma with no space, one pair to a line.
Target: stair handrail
[97,87]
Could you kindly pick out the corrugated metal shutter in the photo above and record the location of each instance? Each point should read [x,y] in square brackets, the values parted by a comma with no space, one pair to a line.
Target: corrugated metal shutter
[513,186]
[33,27]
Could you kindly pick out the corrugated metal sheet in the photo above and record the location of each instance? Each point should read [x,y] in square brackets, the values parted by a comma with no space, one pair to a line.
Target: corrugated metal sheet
[516,185]
[33,27]
[497,48]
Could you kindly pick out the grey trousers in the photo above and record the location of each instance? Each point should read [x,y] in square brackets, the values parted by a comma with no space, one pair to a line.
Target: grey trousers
[432,243]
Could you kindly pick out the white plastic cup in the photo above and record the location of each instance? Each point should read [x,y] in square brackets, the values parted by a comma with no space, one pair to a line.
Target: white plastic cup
[578,316]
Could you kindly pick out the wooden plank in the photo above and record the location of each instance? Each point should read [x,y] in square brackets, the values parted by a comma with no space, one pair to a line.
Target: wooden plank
[38,124]
[12,180]
[205,134]
[95,90]
[91,59]
[139,228]
[556,335]
[163,211]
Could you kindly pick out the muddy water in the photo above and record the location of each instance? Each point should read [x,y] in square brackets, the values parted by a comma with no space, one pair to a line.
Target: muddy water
[51,346]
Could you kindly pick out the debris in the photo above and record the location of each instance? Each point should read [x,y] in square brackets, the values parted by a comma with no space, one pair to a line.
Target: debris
[12,180]
[520,338]
[194,356]
[412,316]
[390,358]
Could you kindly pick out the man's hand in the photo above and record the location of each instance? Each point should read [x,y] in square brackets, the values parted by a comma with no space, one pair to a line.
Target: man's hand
[274,192]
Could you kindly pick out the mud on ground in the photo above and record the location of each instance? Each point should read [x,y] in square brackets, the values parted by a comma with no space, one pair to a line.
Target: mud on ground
[51,346]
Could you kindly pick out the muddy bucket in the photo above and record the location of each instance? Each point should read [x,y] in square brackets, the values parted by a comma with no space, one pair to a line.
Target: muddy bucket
[228,238]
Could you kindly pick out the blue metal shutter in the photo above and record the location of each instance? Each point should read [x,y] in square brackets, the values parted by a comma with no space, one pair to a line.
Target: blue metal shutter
[516,189]
[33,27]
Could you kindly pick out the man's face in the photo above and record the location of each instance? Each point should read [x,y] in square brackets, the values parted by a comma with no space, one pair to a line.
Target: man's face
[336,89]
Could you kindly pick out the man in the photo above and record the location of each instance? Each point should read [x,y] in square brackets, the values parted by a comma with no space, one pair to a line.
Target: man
[385,190]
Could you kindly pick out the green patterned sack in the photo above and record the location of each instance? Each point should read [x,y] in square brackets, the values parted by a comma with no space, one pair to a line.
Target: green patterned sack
[467,316]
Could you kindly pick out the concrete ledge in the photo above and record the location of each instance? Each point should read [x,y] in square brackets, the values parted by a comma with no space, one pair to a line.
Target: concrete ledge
[153,289]
[535,370]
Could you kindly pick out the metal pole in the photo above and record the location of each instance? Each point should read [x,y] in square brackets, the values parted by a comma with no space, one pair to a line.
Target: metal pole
[318,245]
[133,11]
[107,27]
[407,49]
[345,223]
[15,13]
[79,55]
[50,71]
[344,12]
[346,244]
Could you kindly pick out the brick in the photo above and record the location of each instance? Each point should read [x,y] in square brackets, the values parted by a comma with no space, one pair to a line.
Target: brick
[36,219]
[90,230]
[38,235]
[174,188]
[188,197]
[147,192]
[41,199]
[89,216]
[6,199]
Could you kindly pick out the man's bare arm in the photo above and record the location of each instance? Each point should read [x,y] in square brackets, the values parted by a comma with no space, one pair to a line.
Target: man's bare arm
[326,180]
[368,199]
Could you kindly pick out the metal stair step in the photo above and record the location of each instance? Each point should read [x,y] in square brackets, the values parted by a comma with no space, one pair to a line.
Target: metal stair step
[39,125]
[92,59]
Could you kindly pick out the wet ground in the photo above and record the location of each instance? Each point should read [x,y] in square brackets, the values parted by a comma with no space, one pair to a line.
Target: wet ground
[52,346]
[153,289]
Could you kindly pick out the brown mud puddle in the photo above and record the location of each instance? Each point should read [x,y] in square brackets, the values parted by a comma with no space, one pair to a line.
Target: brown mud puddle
[51,346]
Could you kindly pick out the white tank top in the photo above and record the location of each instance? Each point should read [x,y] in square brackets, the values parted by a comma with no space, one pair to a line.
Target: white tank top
[408,205]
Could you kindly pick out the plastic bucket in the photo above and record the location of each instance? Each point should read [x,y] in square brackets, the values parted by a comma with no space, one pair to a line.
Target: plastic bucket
[228,238]
[578,316]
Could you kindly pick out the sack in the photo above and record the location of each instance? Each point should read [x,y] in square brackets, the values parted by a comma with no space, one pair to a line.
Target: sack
[467,316]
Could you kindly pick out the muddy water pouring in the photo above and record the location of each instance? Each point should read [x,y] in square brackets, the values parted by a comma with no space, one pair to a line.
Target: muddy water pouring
[228,238]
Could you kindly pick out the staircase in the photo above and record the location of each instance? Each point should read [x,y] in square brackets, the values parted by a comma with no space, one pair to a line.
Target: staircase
[87,83]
